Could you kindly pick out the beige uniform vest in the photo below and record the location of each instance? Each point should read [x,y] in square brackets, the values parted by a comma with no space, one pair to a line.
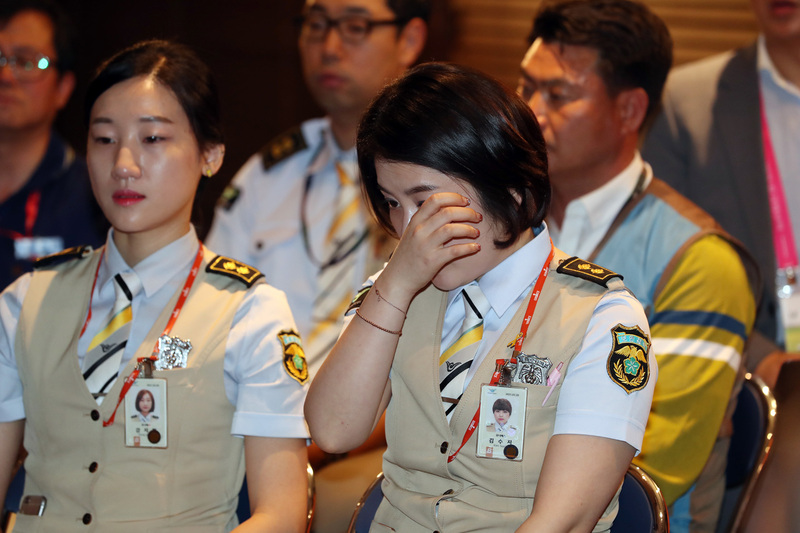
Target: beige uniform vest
[471,493]
[92,482]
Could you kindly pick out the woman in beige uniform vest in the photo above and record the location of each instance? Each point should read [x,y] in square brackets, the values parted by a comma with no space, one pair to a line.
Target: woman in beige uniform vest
[476,305]
[152,314]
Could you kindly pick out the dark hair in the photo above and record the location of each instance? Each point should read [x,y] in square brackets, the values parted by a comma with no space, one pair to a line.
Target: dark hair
[501,404]
[178,69]
[468,126]
[63,29]
[141,394]
[633,43]
[405,10]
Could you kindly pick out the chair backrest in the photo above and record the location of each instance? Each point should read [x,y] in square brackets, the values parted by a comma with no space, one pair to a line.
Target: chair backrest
[753,431]
[773,504]
[243,508]
[366,507]
[642,508]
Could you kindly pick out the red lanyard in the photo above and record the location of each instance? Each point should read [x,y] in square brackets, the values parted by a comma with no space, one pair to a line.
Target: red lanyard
[782,234]
[187,286]
[523,331]
[31,214]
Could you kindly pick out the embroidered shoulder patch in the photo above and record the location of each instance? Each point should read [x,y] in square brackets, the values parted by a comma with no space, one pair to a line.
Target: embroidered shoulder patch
[282,146]
[228,197]
[358,300]
[234,269]
[76,252]
[294,359]
[627,364]
[575,266]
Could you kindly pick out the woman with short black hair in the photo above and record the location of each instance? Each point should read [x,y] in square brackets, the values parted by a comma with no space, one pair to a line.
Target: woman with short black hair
[476,305]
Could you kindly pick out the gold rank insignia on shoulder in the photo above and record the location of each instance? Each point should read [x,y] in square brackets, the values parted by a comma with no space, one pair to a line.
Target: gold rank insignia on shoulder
[627,364]
[76,252]
[575,266]
[283,146]
[294,359]
[234,269]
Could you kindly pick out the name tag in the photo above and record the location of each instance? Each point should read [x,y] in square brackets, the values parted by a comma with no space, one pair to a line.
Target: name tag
[501,428]
[146,414]
[790,317]
[31,248]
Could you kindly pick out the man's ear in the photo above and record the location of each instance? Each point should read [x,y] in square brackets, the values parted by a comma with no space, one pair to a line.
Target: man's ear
[632,109]
[412,41]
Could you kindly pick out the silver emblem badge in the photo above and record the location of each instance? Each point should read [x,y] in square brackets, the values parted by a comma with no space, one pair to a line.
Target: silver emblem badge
[533,370]
[173,352]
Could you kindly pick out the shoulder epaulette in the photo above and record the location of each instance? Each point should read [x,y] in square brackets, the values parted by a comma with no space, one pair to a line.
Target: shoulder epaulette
[282,146]
[234,269]
[228,197]
[76,252]
[575,266]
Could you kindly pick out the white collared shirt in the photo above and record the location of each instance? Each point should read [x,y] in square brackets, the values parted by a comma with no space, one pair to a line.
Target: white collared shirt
[264,227]
[588,218]
[589,402]
[268,402]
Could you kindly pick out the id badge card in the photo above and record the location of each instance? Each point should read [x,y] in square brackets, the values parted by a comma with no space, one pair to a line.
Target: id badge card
[501,427]
[146,414]
[790,317]
[32,248]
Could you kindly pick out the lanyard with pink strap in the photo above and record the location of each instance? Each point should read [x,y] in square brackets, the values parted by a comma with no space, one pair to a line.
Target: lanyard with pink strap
[782,234]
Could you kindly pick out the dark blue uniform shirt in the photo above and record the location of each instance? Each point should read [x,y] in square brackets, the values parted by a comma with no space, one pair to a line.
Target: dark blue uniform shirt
[67,214]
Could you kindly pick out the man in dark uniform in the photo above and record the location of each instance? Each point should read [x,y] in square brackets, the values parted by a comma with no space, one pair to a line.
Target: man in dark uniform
[46,202]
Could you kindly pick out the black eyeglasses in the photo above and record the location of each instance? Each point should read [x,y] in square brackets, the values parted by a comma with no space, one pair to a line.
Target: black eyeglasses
[314,26]
[26,66]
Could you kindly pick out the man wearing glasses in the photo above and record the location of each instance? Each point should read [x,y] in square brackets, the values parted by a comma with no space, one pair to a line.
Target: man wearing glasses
[46,203]
[294,211]
[594,75]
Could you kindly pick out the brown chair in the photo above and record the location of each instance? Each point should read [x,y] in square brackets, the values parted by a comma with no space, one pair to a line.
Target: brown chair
[774,504]
[642,508]
[753,432]
[366,507]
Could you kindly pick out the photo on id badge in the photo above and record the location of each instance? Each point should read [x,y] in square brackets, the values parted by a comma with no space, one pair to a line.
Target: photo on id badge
[501,428]
[146,414]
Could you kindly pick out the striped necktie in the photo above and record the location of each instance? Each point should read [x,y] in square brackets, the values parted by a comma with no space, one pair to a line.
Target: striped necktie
[335,279]
[456,360]
[103,358]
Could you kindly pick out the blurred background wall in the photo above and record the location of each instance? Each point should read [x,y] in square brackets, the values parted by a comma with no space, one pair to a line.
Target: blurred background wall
[251,47]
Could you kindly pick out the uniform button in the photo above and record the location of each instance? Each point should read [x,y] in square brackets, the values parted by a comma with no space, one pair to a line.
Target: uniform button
[93,467]
[443,447]
[87,518]
[448,491]
[95,414]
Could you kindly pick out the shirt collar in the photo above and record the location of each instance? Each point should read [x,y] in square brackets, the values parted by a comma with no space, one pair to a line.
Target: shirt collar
[330,153]
[768,71]
[505,283]
[155,270]
[602,204]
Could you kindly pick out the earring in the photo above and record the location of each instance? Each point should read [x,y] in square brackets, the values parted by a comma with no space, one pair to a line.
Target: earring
[209,173]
